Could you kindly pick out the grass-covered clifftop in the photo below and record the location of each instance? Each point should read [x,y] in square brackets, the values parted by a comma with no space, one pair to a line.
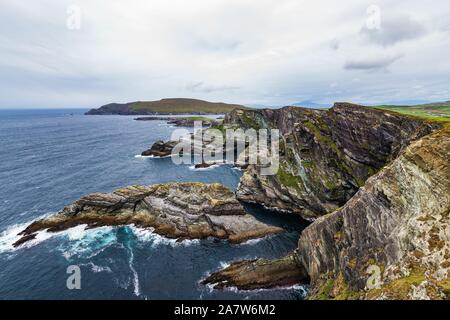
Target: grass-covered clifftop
[166,106]
[439,111]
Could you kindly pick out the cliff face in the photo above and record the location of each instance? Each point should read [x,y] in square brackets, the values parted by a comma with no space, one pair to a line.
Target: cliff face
[325,156]
[397,223]
[391,239]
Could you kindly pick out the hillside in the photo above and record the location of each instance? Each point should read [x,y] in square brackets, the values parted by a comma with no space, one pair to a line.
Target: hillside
[165,106]
[439,111]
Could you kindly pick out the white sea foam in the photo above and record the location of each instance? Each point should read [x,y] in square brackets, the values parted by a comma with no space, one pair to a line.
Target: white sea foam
[76,233]
[96,269]
[82,241]
[193,168]
[139,156]
[155,240]
[86,243]
[137,290]
[11,235]
[252,242]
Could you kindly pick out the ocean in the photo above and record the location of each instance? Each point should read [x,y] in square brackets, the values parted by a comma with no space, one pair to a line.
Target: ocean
[50,158]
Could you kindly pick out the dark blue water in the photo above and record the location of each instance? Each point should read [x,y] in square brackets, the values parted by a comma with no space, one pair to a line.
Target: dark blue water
[50,158]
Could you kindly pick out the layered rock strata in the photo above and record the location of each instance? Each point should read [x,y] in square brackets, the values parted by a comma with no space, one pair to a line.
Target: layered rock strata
[177,210]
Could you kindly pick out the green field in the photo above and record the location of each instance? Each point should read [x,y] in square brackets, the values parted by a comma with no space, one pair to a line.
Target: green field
[433,111]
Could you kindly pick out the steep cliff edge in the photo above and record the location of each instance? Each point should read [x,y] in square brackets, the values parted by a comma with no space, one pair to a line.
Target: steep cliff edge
[377,185]
[397,224]
[325,156]
[390,241]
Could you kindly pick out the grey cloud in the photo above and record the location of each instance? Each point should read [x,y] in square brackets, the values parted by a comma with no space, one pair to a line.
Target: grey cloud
[204,88]
[394,29]
[371,64]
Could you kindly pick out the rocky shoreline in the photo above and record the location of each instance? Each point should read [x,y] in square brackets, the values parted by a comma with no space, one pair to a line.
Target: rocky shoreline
[387,210]
[182,122]
[177,210]
[375,183]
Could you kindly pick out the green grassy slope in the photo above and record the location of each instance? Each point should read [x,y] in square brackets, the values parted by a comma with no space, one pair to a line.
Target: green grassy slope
[433,111]
[167,106]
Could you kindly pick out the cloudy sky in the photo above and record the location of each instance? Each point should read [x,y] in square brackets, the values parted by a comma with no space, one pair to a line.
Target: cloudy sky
[85,53]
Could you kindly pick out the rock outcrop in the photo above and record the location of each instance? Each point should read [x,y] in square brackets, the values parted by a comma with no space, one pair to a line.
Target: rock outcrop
[160,149]
[325,156]
[177,210]
[259,274]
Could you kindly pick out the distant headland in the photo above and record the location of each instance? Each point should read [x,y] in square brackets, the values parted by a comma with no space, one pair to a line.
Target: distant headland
[166,106]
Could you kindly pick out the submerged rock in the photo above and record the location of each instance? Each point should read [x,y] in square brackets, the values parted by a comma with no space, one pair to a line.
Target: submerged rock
[176,210]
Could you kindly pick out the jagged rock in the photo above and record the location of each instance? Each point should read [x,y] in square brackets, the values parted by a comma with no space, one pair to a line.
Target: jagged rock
[325,156]
[260,273]
[177,210]
[160,149]
[398,222]
[204,165]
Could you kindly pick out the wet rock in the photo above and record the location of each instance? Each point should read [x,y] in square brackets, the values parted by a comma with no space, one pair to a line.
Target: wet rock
[160,149]
[259,274]
[177,210]
[204,165]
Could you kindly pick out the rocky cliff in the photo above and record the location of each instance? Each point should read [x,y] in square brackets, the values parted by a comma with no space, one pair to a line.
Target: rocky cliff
[325,156]
[397,224]
[377,185]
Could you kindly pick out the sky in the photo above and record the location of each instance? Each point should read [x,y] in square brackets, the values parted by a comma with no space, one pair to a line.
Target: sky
[87,53]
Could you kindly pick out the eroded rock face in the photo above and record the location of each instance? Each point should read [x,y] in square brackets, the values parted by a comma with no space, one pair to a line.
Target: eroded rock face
[178,210]
[260,273]
[398,222]
[325,156]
